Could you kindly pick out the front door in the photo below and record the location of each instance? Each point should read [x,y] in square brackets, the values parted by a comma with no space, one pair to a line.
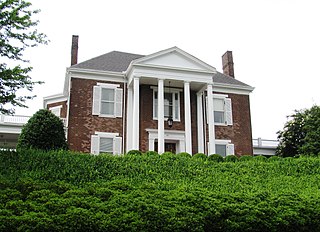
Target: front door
[171,147]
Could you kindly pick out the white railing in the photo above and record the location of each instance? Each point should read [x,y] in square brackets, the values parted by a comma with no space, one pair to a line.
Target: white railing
[265,143]
[14,119]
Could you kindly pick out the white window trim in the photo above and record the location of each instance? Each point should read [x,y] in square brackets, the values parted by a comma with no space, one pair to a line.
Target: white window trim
[226,143]
[173,91]
[114,87]
[56,108]
[113,136]
[224,97]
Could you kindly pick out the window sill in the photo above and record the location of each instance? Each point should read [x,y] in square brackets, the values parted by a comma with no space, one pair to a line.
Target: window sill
[166,119]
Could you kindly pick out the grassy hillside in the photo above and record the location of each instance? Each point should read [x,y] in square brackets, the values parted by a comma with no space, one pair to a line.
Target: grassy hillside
[62,191]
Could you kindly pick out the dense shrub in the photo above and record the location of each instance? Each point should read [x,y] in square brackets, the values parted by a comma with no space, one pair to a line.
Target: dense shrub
[245,157]
[200,156]
[134,152]
[66,191]
[231,158]
[167,154]
[274,158]
[260,157]
[43,131]
[184,154]
[215,157]
[151,153]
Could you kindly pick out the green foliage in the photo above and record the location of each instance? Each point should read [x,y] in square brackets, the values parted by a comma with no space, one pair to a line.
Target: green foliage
[167,154]
[301,134]
[184,154]
[245,157]
[274,158]
[151,153]
[17,32]
[200,156]
[215,157]
[260,157]
[231,158]
[134,152]
[43,131]
[66,191]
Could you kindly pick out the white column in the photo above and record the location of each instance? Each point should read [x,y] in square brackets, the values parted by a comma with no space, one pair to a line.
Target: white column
[129,120]
[187,117]
[135,115]
[160,116]
[210,111]
[200,123]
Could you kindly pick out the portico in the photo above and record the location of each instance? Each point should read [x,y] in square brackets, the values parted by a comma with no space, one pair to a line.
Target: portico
[172,75]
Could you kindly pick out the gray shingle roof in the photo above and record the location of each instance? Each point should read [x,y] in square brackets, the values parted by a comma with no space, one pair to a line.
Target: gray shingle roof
[119,62]
[113,61]
[225,79]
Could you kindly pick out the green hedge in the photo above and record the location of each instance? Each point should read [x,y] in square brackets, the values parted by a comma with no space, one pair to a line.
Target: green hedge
[65,191]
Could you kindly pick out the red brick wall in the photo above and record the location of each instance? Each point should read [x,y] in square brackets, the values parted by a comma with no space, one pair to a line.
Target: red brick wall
[82,124]
[63,112]
[240,132]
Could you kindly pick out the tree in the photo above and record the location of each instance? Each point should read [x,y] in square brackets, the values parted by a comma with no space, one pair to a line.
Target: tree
[17,32]
[44,131]
[301,134]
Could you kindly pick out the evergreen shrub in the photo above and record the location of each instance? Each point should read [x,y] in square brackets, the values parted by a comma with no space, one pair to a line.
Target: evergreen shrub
[216,158]
[231,158]
[44,131]
[200,156]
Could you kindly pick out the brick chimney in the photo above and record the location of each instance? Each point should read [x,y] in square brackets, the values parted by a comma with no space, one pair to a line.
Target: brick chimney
[227,64]
[74,50]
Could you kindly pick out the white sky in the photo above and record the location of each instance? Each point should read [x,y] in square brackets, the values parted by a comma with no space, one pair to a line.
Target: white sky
[275,44]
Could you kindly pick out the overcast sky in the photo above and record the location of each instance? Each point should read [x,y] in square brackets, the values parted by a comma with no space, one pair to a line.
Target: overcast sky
[275,44]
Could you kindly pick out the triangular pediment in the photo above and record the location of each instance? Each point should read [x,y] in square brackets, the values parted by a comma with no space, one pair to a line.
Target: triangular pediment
[174,58]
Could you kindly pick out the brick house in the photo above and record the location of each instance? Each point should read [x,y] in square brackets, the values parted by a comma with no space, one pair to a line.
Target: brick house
[166,101]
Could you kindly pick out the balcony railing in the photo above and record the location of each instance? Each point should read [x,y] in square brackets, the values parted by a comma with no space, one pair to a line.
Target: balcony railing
[14,119]
[265,143]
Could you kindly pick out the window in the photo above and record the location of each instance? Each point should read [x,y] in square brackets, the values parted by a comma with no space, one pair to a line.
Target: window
[222,110]
[219,113]
[107,100]
[224,147]
[56,110]
[103,142]
[171,104]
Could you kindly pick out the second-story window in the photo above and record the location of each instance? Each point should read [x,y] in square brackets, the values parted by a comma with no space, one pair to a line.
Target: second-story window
[107,100]
[171,104]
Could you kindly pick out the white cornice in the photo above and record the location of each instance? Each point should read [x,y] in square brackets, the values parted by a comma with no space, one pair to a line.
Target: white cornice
[97,75]
[95,72]
[53,99]
[173,68]
[228,88]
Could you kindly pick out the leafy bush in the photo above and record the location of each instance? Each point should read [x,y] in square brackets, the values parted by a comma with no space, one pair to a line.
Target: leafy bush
[245,157]
[43,131]
[184,154]
[200,156]
[151,153]
[274,158]
[134,152]
[260,157]
[215,157]
[231,158]
[167,154]
[67,191]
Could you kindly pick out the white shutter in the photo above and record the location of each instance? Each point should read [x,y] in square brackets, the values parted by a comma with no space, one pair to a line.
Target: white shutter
[96,100]
[117,141]
[95,144]
[118,101]
[230,149]
[228,111]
